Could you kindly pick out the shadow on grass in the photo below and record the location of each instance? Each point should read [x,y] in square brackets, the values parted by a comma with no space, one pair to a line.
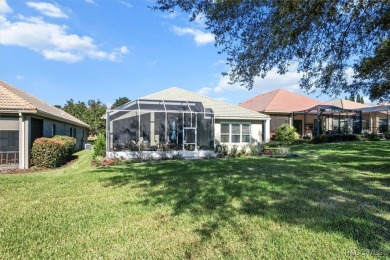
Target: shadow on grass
[325,195]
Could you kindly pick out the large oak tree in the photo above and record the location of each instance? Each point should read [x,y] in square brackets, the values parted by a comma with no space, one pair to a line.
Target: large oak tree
[324,38]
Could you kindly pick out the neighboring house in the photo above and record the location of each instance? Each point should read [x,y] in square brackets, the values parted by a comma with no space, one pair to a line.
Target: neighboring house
[280,105]
[180,120]
[344,119]
[23,118]
[234,125]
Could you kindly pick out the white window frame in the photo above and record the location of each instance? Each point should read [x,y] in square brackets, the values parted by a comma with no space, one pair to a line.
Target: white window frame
[241,134]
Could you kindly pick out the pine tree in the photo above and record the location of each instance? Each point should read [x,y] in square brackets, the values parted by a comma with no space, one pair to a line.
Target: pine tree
[358,98]
[352,97]
[361,100]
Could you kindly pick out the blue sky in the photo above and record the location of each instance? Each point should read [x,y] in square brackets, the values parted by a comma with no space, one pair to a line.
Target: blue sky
[105,49]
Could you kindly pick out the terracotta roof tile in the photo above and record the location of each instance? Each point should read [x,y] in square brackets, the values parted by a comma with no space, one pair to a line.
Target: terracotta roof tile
[279,100]
[11,101]
[12,98]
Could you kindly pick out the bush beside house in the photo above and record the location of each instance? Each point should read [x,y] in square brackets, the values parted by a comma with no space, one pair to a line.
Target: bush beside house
[52,152]
[286,134]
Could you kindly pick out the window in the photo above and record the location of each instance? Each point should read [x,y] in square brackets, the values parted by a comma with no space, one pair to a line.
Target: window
[245,133]
[71,132]
[277,121]
[225,133]
[235,133]
[9,147]
[74,132]
[53,130]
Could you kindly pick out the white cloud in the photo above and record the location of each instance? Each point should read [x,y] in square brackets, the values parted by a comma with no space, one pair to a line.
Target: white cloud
[52,40]
[90,1]
[19,77]
[289,81]
[200,37]
[61,56]
[127,4]
[219,62]
[47,9]
[124,50]
[4,7]
[204,91]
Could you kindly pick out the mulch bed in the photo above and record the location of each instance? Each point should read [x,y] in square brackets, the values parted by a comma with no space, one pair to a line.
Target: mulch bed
[35,170]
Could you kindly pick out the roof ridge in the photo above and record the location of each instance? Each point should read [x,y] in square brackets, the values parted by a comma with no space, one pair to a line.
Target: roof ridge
[273,97]
[41,105]
[193,96]
[213,99]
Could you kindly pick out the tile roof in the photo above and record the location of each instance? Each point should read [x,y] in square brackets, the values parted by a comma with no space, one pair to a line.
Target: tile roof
[13,99]
[222,110]
[279,100]
[347,104]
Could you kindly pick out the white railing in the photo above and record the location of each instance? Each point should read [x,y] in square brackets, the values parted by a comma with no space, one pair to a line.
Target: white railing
[9,158]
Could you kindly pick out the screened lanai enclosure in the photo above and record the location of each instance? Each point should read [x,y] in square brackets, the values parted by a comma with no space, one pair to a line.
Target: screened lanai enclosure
[160,125]
[329,119]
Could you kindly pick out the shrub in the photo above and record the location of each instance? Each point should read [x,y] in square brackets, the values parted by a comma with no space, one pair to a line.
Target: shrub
[253,150]
[100,146]
[387,135]
[372,137]
[49,152]
[281,151]
[274,144]
[225,150]
[109,162]
[98,160]
[165,155]
[177,156]
[70,144]
[242,151]
[286,134]
[319,139]
[234,151]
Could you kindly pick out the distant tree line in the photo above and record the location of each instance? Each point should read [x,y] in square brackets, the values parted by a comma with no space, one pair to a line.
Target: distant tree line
[358,99]
[91,112]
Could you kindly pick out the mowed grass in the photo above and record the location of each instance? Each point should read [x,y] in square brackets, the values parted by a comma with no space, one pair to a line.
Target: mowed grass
[331,202]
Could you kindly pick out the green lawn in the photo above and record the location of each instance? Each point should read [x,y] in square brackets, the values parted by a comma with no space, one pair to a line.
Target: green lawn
[333,201]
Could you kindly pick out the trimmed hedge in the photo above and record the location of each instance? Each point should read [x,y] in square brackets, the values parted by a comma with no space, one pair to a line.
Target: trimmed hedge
[334,138]
[70,144]
[52,152]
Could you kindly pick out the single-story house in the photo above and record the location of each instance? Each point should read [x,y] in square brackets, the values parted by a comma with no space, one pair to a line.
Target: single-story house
[374,119]
[338,116]
[23,118]
[184,121]
[280,105]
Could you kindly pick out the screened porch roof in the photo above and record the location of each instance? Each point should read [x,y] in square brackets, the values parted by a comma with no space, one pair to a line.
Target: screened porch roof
[381,108]
[327,109]
[162,106]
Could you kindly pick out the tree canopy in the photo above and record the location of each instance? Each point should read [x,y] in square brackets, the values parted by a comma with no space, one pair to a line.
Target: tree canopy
[90,113]
[119,102]
[325,39]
